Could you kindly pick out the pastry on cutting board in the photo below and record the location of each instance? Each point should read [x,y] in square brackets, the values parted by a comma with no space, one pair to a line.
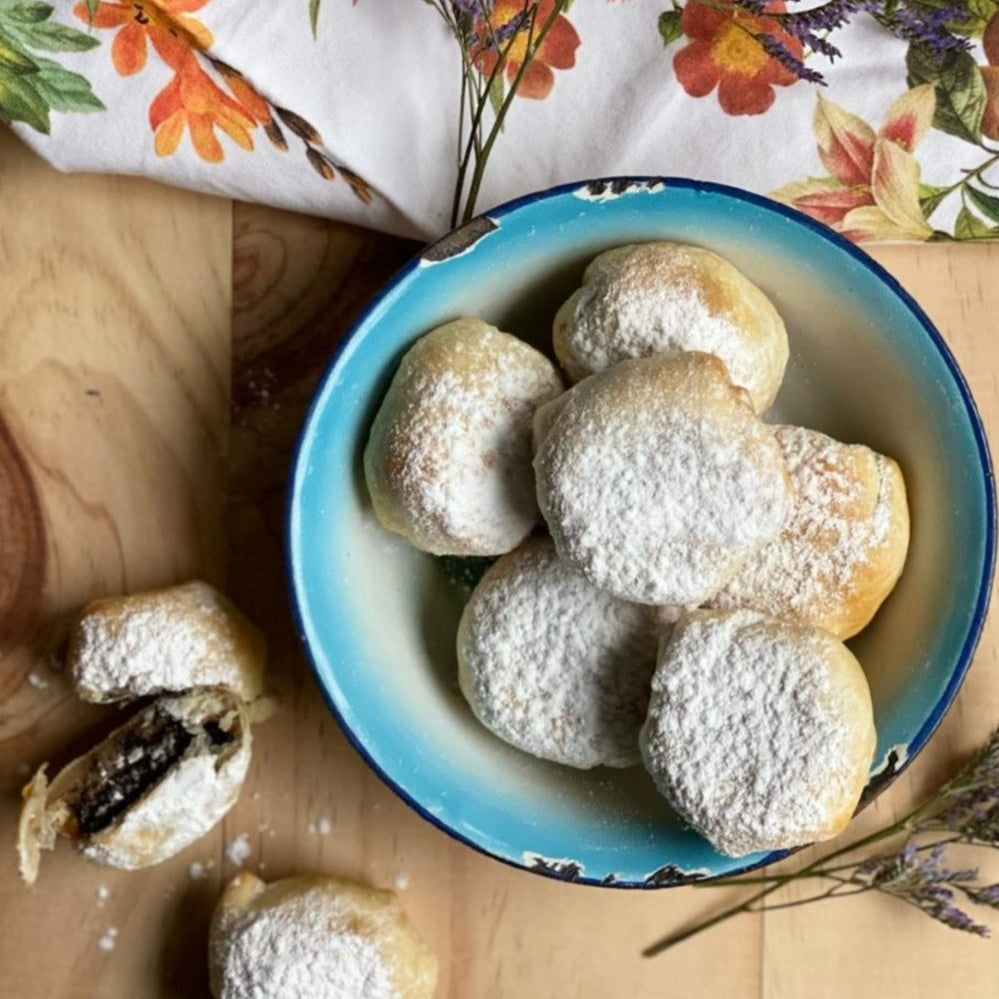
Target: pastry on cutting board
[315,937]
[164,640]
[155,785]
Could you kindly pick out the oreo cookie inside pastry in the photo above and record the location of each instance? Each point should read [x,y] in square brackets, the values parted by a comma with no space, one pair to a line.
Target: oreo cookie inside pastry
[152,787]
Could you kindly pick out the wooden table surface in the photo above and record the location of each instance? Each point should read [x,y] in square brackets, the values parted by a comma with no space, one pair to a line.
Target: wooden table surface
[157,350]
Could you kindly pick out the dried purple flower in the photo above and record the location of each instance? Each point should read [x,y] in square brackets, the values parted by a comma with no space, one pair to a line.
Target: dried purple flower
[776,48]
[474,9]
[989,895]
[928,27]
[921,879]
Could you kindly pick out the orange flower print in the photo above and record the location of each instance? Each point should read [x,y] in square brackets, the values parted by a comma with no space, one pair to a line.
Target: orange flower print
[162,22]
[192,101]
[873,190]
[557,51]
[990,76]
[724,53]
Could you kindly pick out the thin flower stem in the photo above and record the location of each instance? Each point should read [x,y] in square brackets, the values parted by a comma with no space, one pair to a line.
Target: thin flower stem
[970,173]
[532,47]
[677,938]
[815,869]
[834,892]
[474,145]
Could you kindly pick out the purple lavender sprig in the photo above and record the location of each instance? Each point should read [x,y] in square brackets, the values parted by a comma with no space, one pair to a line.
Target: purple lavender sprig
[963,810]
[922,879]
[475,18]
[778,50]
[918,22]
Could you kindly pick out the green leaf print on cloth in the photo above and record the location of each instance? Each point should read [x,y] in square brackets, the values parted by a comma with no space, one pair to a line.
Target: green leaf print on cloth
[960,89]
[31,86]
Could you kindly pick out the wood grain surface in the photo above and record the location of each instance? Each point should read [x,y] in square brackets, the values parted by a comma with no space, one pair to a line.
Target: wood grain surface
[133,496]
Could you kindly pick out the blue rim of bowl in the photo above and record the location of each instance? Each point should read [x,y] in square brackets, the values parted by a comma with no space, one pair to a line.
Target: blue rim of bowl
[615,184]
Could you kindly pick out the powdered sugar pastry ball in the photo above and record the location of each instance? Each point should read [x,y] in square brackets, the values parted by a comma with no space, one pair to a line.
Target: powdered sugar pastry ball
[315,937]
[555,666]
[168,639]
[657,479]
[844,545]
[760,731]
[448,460]
[655,298]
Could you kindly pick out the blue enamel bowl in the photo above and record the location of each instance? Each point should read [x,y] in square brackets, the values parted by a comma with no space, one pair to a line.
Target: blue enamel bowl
[379,618]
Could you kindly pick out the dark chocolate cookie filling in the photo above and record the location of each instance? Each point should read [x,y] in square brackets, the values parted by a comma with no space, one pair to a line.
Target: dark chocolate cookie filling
[138,760]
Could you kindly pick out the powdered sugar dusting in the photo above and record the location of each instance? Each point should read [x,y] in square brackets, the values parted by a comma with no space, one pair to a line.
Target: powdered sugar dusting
[555,666]
[457,433]
[657,480]
[839,528]
[238,851]
[167,640]
[750,732]
[649,299]
[303,948]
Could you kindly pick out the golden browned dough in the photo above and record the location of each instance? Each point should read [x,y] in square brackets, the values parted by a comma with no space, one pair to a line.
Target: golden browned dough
[448,460]
[844,544]
[663,297]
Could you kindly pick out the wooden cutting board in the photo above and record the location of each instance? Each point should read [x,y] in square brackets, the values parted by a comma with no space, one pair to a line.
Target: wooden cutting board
[122,306]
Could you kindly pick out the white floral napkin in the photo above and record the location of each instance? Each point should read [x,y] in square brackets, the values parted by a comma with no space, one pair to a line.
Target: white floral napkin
[351,109]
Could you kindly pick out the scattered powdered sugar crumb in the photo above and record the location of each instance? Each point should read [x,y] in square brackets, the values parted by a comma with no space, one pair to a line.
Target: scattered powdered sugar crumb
[239,850]
[108,941]
[198,871]
[303,948]
[103,894]
[323,826]
[255,796]
[582,701]
[837,526]
[401,881]
[37,681]
[752,732]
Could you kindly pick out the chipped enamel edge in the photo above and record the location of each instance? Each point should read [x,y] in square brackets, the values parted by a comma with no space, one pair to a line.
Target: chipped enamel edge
[602,190]
[463,241]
